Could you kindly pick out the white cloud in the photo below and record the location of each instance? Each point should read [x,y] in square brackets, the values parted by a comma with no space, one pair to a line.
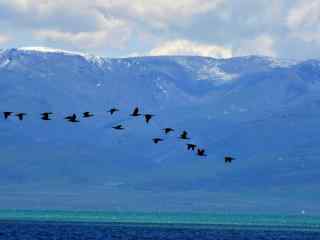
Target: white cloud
[112,35]
[185,47]
[76,24]
[304,14]
[157,13]
[303,21]
[265,27]
[4,38]
[261,45]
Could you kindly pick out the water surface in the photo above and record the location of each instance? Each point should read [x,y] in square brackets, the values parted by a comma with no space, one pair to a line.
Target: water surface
[103,225]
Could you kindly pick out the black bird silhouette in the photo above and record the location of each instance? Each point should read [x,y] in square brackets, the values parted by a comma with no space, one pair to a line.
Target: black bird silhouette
[147,117]
[228,159]
[20,116]
[7,114]
[168,130]
[157,140]
[135,112]
[113,110]
[191,146]
[72,118]
[201,153]
[87,114]
[184,135]
[45,116]
[118,127]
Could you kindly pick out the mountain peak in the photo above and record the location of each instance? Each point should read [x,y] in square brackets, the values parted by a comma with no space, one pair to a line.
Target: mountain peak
[48,50]
[39,50]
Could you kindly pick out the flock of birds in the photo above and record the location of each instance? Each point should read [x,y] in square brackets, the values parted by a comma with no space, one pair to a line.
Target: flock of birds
[136,113]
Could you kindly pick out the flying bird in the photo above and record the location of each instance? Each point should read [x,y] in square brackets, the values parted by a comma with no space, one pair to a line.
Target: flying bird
[45,116]
[118,127]
[87,114]
[72,118]
[135,112]
[168,130]
[191,146]
[113,110]
[200,152]
[157,140]
[20,116]
[184,135]
[228,159]
[7,114]
[148,117]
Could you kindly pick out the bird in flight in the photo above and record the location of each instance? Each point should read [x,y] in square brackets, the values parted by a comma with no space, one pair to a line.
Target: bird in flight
[135,112]
[72,118]
[45,116]
[7,114]
[168,130]
[118,127]
[113,110]
[228,159]
[184,135]
[87,114]
[191,146]
[148,117]
[157,140]
[20,116]
[200,152]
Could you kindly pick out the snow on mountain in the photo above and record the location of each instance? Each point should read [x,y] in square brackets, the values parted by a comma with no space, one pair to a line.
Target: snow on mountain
[48,50]
[264,111]
[43,50]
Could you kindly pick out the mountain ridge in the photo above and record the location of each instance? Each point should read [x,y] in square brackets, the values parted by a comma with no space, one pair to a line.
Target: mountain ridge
[262,112]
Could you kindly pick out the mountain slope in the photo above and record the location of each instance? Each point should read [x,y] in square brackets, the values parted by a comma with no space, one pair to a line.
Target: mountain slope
[263,111]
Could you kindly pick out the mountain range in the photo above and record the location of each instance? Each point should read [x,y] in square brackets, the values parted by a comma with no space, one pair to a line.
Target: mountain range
[263,111]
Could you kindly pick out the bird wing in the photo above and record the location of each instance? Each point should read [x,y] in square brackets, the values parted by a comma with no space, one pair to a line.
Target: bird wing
[136,111]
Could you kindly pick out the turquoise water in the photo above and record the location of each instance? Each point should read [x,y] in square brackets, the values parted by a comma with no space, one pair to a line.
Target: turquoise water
[270,221]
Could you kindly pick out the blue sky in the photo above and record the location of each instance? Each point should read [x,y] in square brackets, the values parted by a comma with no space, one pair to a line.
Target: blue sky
[118,28]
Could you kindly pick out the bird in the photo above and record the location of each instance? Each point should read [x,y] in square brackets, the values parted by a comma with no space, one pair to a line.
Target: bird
[118,127]
[87,114]
[168,130]
[184,135]
[200,152]
[45,116]
[148,117]
[191,146]
[135,112]
[113,110]
[7,114]
[20,116]
[157,140]
[72,118]
[228,159]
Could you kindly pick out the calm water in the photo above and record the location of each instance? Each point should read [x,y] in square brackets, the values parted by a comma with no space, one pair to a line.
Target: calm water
[97,225]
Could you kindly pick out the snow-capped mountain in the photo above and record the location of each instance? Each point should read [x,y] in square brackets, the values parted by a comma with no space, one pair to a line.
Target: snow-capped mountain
[264,111]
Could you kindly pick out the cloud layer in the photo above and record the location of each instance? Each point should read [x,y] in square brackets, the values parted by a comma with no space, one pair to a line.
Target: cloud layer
[218,28]
[185,47]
